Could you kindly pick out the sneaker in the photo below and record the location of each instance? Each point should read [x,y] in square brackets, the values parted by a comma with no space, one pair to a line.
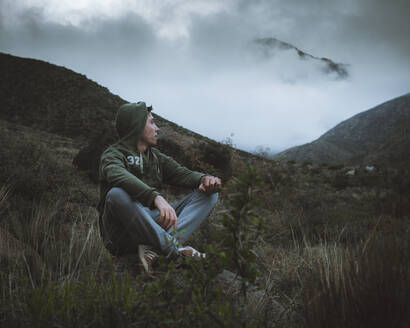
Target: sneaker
[189,251]
[147,257]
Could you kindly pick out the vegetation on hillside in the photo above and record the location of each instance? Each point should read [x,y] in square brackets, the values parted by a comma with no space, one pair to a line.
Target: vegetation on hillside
[378,136]
[290,245]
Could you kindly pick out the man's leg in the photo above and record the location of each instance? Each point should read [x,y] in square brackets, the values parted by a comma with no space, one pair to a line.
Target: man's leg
[192,210]
[128,224]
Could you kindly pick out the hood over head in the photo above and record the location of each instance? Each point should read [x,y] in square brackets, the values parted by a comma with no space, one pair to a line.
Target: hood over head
[130,123]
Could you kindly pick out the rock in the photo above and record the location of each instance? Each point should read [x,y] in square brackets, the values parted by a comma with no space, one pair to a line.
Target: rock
[255,298]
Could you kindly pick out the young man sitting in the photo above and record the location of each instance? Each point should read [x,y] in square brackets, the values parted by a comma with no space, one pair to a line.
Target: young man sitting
[134,217]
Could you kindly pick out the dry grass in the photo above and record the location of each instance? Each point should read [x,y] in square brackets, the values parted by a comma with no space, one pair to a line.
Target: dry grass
[4,194]
[326,284]
[307,276]
[363,286]
[334,284]
[61,250]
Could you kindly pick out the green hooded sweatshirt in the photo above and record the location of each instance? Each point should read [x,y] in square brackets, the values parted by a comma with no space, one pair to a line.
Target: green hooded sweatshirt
[139,174]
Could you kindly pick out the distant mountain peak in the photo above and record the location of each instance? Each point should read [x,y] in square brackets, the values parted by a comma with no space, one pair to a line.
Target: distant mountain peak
[270,45]
[380,135]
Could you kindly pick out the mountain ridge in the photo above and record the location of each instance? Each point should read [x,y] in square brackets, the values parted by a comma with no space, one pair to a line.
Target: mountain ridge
[379,135]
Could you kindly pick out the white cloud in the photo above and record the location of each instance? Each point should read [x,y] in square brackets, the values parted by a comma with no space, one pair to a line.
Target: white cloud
[170,18]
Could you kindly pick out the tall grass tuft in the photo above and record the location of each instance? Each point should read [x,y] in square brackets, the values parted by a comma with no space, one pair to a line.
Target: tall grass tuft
[4,194]
[367,286]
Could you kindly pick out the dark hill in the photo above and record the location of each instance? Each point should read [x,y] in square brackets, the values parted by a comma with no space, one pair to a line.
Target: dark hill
[57,100]
[378,136]
[52,98]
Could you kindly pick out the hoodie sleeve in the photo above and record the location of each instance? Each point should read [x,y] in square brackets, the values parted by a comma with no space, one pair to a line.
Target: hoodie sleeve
[178,175]
[114,171]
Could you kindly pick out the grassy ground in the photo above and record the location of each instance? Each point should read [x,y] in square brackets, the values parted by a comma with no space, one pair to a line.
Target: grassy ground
[306,245]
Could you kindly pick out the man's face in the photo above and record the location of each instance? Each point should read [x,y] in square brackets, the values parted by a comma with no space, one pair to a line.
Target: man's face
[150,134]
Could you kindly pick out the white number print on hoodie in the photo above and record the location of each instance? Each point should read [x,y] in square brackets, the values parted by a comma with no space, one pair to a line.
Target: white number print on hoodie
[133,160]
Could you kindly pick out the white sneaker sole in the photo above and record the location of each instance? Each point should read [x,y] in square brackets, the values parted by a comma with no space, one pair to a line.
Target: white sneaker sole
[195,253]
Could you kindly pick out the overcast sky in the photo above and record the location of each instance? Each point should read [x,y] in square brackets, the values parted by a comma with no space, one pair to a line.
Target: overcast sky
[214,67]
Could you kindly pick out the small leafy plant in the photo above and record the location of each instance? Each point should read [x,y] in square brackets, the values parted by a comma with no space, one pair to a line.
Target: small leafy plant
[243,227]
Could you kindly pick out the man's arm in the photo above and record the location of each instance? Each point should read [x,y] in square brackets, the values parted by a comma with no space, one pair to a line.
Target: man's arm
[113,169]
[178,175]
[167,216]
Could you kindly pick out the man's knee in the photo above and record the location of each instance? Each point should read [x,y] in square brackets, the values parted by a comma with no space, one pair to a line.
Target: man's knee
[118,197]
[211,199]
[214,199]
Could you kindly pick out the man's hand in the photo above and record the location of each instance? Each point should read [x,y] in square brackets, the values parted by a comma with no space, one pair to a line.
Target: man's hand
[210,184]
[168,217]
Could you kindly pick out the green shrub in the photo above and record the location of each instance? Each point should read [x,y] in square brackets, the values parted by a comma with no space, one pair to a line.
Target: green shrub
[335,167]
[340,181]
[243,227]
[30,168]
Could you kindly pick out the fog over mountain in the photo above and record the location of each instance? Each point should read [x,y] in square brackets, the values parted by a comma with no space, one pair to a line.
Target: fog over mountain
[200,63]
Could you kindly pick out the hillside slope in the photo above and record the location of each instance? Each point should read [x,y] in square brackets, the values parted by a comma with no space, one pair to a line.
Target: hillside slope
[52,98]
[378,136]
[57,100]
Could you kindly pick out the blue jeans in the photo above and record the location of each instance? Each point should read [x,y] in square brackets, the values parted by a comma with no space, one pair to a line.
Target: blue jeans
[127,224]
